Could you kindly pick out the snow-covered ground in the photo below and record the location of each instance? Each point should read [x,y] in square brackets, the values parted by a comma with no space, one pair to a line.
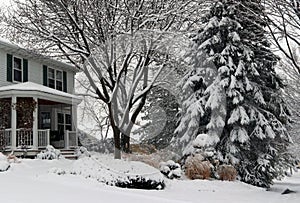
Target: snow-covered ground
[33,181]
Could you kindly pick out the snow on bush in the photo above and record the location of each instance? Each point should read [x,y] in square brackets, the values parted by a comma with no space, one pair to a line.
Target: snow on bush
[120,173]
[49,153]
[82,152]
[4,164]
[170,169]
[200,141]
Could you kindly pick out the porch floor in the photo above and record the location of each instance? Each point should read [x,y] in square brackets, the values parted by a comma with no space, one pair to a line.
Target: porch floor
[31,153]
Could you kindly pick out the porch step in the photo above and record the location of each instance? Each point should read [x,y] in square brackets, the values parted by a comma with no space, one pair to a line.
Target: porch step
[69,154]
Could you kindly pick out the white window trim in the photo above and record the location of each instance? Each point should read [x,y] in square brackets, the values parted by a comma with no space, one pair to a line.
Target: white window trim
[13,69]
[64,112]
[55,79]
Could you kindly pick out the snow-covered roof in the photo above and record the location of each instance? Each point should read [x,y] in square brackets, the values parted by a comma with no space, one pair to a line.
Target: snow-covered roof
[45,60]
[41,91]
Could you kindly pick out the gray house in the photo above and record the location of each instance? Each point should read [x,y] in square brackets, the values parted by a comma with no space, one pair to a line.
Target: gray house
[38,105]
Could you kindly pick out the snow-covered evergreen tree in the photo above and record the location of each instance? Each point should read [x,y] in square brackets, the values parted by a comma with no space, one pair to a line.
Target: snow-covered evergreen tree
[241,109]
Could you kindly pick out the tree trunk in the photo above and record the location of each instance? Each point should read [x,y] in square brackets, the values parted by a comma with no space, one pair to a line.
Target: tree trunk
[125,143]
[116,132]
[117,143]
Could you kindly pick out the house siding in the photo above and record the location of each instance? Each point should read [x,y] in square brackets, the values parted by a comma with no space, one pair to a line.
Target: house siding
[3,69]
[35,72]
[70,82]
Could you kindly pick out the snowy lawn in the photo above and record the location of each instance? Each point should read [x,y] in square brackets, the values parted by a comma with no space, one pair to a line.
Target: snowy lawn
[33,181]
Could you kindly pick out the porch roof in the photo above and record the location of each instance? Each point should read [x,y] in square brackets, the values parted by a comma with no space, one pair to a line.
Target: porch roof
[30,89]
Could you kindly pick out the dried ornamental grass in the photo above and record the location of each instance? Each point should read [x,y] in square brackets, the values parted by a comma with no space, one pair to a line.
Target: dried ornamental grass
[196,168]
[227,172]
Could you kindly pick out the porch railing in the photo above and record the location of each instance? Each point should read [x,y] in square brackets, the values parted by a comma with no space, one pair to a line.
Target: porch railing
[71,139]
[43,138]
[24,138]
[6,138]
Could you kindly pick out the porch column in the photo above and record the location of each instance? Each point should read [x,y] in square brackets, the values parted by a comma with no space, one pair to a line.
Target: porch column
[74,119]
[13,123]
[35,124]
[67,143]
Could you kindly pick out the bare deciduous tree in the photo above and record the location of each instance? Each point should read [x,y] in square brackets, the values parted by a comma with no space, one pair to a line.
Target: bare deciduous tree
[283,18]
[121,46]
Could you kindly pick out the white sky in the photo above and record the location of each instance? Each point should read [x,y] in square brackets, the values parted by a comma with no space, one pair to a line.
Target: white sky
[5,3]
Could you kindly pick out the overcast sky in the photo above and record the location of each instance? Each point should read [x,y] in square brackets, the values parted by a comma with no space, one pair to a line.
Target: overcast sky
[5,2]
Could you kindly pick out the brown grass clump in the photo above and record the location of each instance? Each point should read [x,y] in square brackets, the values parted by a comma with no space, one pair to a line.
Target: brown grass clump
[151,159]
[142,148]
[227,172]
[196,168]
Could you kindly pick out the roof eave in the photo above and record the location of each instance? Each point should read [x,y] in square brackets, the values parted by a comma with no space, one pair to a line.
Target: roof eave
[12,48]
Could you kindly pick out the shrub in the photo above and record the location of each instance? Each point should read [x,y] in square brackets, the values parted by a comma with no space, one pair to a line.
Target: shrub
[120,173]
[49,153]
[82,152]
[196,168]
[140,182]
[170,169]
[226,172]
[4,165]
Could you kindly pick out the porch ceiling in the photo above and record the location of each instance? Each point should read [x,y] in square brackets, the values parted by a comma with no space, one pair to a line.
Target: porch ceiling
[29,89]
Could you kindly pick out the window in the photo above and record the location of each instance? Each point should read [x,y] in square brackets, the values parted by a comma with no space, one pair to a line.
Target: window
[68,122]
[17,66]
[55,79]
[59,80]
[64,122]
[45,120]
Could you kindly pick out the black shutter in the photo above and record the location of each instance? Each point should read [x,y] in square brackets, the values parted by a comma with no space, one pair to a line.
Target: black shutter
[9,67]
[25,70]
[45,75]
[65,87]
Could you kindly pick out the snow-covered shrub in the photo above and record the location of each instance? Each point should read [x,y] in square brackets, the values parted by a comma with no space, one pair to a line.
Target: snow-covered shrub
[200,141]
[82,152]
[49,153]
[170,169]
[226,172]
[4,164]
[120,173]
[140,182]
[196,168]
[2,157]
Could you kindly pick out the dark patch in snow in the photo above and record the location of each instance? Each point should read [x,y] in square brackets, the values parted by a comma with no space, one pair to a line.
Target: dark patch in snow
[287,191]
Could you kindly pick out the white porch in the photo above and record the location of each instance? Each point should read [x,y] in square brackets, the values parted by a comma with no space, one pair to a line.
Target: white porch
[53,120]
[25,139]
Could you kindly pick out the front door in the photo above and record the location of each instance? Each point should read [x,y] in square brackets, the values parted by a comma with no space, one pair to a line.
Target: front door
[64,122]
